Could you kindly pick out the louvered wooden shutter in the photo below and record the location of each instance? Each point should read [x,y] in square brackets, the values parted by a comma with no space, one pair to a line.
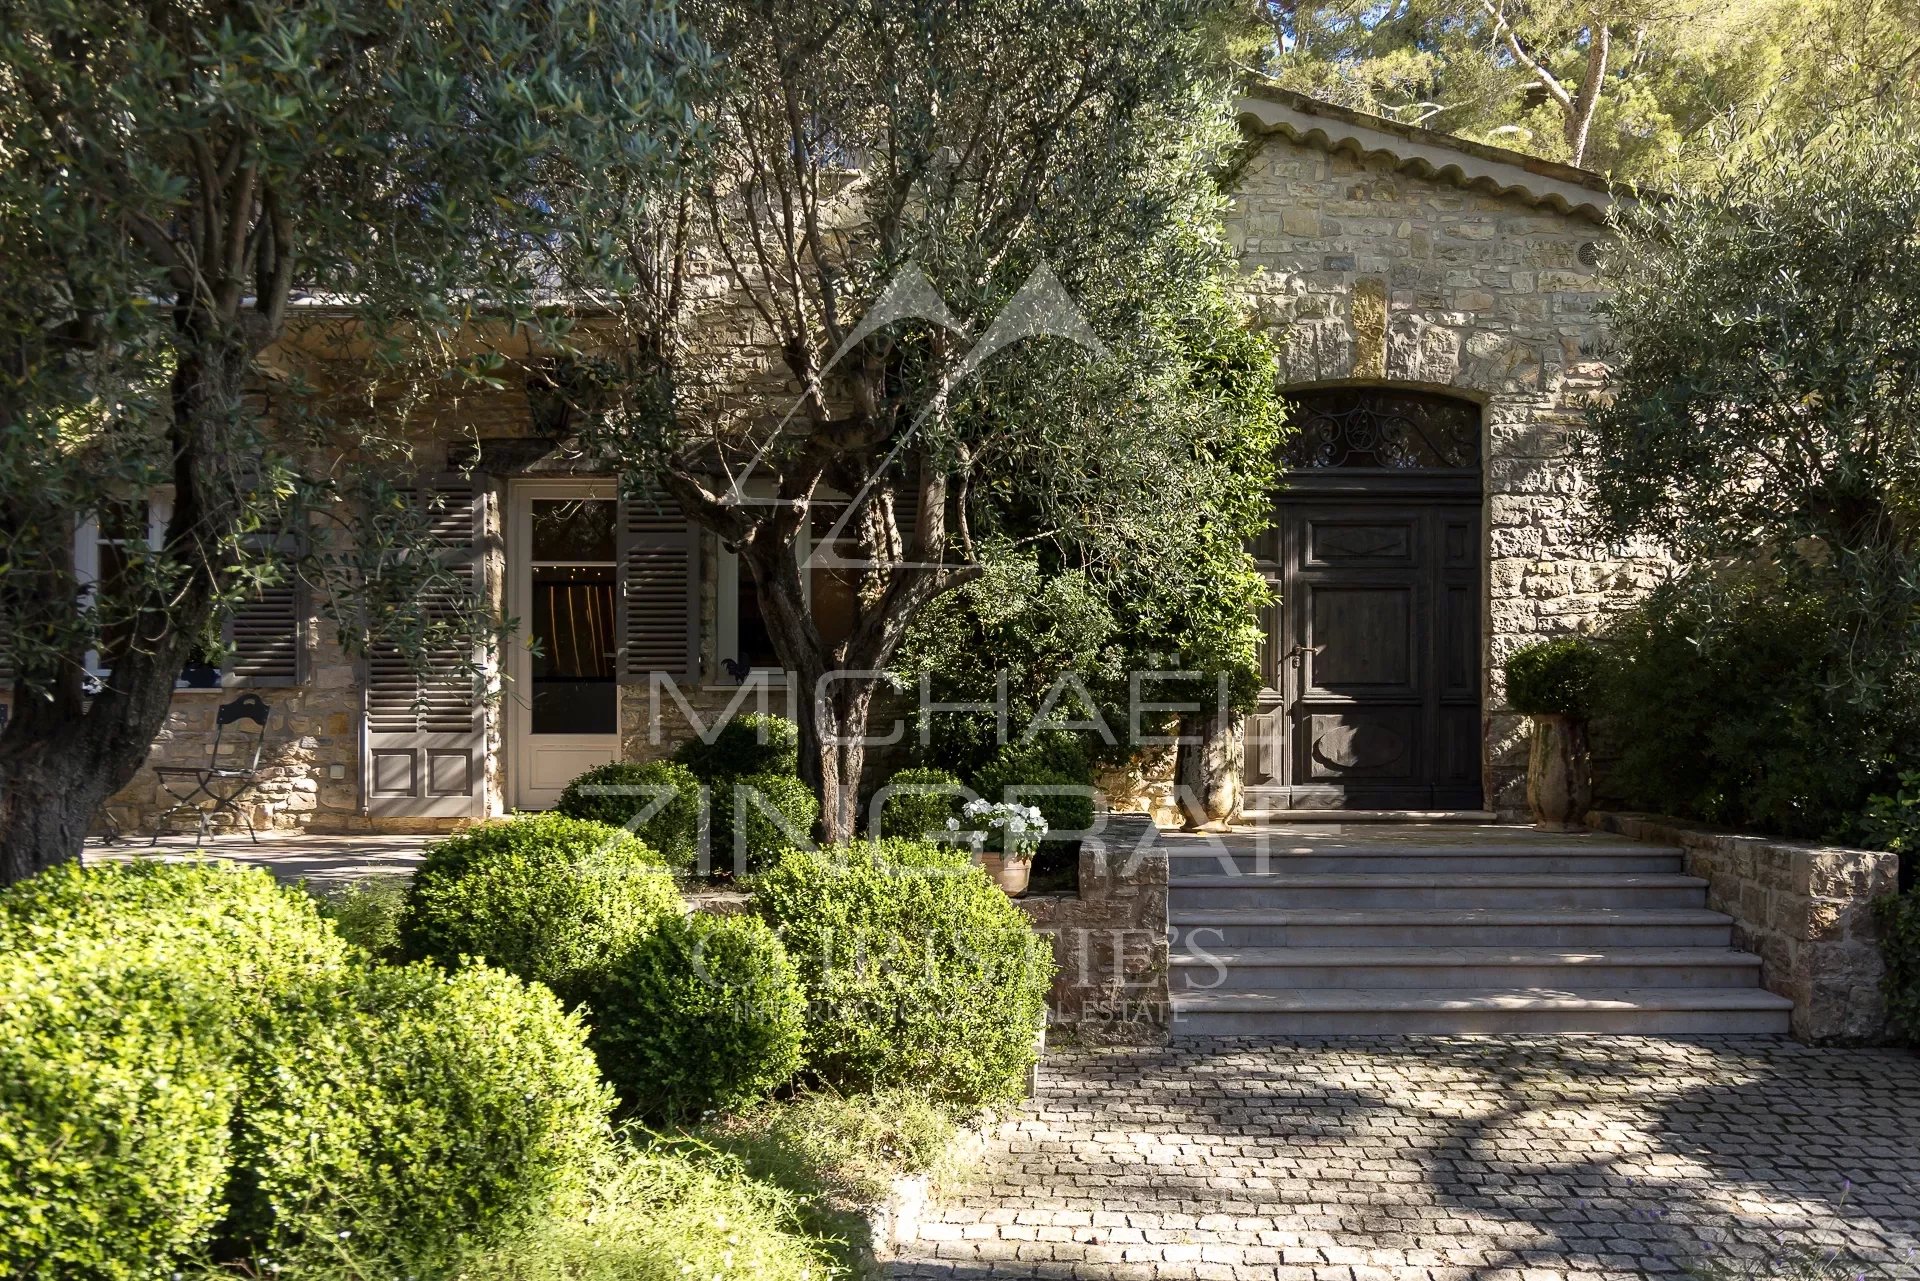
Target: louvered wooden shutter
[266,635]
[425,736]
[658,611]
[906,514]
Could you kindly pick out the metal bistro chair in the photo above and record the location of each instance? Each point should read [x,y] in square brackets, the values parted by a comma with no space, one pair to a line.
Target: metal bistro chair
[215,788]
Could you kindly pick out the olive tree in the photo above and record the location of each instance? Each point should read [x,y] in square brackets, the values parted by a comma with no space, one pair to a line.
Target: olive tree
[982,245]
[1766,373]
[183,182]
[1760,424]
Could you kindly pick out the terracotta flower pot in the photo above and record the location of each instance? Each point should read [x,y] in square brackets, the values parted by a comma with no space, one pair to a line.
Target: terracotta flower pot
[1010,874]
[1559,773]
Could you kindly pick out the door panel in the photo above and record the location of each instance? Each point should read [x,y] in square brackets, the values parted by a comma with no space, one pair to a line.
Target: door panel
[424,736]
[1359,638]
[1373,656]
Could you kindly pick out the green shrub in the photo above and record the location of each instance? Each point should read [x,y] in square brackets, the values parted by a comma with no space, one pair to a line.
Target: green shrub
[920,802]
[366,913]
[663,1215]
[1892,822]
[1053,773]
[115,1093]
[549,898]
[1898,916]
[409,1112]
[129,989]
[703,1014]
[1735,699]
[1554,677]
[667,788]
[778,810]
[917,969]
[235,926]
[751,744]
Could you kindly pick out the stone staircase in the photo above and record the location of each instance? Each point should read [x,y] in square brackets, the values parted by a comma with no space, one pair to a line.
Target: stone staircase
[1356,929]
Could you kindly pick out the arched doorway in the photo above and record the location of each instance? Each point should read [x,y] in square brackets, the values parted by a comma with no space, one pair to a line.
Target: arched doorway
[1372,663]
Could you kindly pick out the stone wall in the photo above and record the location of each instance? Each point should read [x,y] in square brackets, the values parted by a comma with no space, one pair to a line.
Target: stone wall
[310,754]
[1110,939]
[1366,273]
[1806,910]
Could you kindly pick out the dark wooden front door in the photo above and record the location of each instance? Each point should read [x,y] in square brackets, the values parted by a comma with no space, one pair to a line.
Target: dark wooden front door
[1373,654]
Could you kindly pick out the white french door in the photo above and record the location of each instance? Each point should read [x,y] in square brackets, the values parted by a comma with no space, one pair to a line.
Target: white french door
[563,701]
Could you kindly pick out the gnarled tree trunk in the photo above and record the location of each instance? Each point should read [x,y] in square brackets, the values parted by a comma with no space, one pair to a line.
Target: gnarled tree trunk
[63,753]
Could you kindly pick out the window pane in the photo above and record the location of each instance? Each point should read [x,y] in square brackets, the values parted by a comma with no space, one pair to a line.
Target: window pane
[573,529]
[573,667]
[111,599]
[836,588]
[124,521]
[755,647]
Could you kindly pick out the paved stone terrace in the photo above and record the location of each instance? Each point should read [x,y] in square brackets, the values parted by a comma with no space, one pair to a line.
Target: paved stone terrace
[1443,1158]
[324,861]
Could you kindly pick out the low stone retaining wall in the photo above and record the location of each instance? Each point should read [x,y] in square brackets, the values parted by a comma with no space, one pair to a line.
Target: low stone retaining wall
[1807,910]
[1110,939]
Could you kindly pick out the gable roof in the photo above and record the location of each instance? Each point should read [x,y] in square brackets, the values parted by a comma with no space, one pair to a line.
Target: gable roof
[1265,109]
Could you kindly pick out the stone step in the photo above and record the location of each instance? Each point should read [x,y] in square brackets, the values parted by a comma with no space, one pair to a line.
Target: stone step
[1597,928]
[1463,890]
[1185,859]
[1481,1011]
[1199,969]
[1257,813]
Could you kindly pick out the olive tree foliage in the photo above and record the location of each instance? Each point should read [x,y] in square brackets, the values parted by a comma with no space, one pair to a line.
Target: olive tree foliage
[980,247]
[1766,372]
[184,182]
[1761,424]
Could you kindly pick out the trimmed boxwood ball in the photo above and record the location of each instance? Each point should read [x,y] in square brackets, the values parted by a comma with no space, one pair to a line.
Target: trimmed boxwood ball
[672,829]
[115,1093]
[543,896]
[918,970]
[755,743]
[779,811]
[244,931]
[920,802]
[128,993]
[1555,677]
[411,1113]
[705,1014]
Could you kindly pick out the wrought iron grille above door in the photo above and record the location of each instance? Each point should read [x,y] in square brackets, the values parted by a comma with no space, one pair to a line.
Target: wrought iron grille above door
[1383,428]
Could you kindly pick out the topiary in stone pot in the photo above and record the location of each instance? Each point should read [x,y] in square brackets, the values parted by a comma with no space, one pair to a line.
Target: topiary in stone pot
[1553,682]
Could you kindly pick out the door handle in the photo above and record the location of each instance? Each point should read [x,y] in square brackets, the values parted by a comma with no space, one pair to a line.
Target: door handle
[1298,652]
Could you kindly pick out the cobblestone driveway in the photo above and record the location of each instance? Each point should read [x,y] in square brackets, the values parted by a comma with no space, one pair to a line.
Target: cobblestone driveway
[1443,1158]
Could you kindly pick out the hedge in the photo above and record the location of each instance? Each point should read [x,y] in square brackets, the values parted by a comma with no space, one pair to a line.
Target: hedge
[703,1015]
[412,1113]
[917,969]
[549,898]
[751,744]
[666,790]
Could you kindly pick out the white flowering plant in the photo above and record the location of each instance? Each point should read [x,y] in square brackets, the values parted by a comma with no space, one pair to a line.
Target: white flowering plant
[1012,830]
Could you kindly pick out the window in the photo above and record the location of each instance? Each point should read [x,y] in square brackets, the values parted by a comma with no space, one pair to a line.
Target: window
[833,591]
[573,566]
[1388,428]
[263,635]
[108,547]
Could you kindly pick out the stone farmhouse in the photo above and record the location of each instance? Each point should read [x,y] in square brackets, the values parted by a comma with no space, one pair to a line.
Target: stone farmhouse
[1436,301]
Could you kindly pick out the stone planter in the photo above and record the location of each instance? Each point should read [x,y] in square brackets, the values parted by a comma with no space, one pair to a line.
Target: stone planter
[1010,874]
[1559,772]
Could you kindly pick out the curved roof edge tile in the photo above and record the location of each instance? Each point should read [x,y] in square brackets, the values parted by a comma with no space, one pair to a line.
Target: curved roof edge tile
[1269,109]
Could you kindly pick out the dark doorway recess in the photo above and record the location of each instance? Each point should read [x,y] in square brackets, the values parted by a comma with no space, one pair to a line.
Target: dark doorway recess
[1373,682]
